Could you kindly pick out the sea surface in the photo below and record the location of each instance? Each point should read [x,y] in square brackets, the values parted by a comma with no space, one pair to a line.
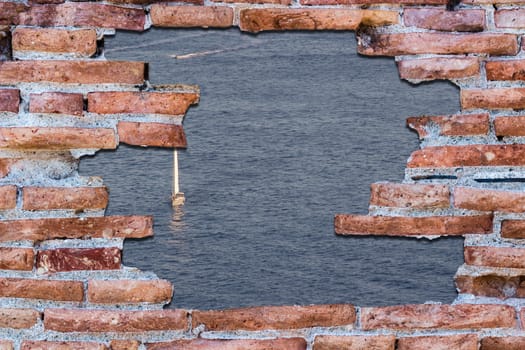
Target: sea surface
[291,129]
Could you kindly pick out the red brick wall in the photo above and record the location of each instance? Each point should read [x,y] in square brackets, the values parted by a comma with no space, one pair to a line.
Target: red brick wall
[62,285]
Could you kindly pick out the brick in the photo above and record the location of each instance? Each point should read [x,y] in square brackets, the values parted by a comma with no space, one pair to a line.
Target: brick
[18,318]
[356,342]
[446,342]
[57,290]
[69,259]
[129,291]
[371,2]
[450,125]
[191,16]
[513,229]
[81,320]
[152,134]
[371,43]
[9,100]
[78,14]
[471,155]
[77,198]
[238,344]
[412,226]
[256,20]
[72,72]
[435,316]
[498,98]
[491,285]
[124,345]
[6,345]
[8,195]
[17,259]
[76,228]
[509,126]
[495,256]
[425,69]
[81,43]
[5,166]
[489,200]
[149,2]
[10,11]
[409,195]
[274,2]
[510,18]
[275,317]
[506,70]
[114,102]
[443,20]
[65,345]
[503,343]
[56,102]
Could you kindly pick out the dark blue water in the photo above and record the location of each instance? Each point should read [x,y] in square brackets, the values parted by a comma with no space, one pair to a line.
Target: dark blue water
[291,129]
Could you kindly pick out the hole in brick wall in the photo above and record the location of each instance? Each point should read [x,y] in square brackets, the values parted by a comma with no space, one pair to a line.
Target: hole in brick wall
[291,129]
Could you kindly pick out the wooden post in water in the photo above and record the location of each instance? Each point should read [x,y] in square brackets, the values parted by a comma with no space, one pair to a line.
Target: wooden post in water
[178,197]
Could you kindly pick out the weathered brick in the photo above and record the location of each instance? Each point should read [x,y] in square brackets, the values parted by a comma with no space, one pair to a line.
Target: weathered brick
[56,102]
[77,198]
[79,228]
[438,68]
[503,343]
[238,344]
[191,16]
[375,44]
[409,195]
[81,43]
[124,345]
[471,155]
[412,226]
[8,195]
[275,2]
[129,291]
[513,229]
[446,342]
[495,256]
[72,72]
[510,18]
[506,70]
[450,125]
[10,11]
[113,102]
[256,20]
[77,14]
[370,2]
[152,134]
[493,284]
[149,2]
[18,318]
[69,259]
[6,165]
[6,345]
[9,100]
[498,98]
[489,200]
[64,345]
[435,316]
[443,20]
[509,126]
[17,259]
[82,320]
[355,342]
[41,289]
[275,317]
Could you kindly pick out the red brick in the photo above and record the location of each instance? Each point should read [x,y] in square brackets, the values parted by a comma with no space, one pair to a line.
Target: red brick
[18,318]
[435,316]
[510,18]
[275,2]
[171,103]
[10,11]
[152,134]
[506,70]
[370,2]
[495,256]
[438,68]
[82,43]
[238,344]
[68,259]
[77,14]
[489,200]
[256,20]
[55,345]
[124,345]
[129,291]
[5,166]
[372,43]
[498,98]
[450,125]
[17,259]
[77,198]
[446,342]
[72,72]
[8,195]
[355,342]
[6,345]
[412,226]
[490,284]
[409,195]
[79,228]
[443,20]
[472,155]
[82,320]
[509,126]
[503,343]
[9,100]
[56,102]
[149,2]
[41,289]
[275,317]
[191,16]
[513,229]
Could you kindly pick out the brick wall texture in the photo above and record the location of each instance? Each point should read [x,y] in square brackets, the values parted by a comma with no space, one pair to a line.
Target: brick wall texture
[62,283]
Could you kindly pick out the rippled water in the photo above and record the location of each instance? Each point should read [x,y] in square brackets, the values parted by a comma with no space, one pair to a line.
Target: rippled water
[291,129]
